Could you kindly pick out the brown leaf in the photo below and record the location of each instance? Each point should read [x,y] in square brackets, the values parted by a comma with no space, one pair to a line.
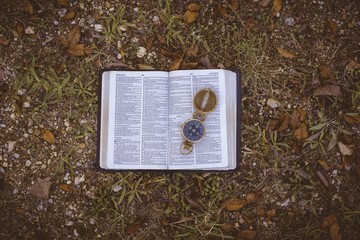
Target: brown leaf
[87,50]
[192,7]
[245,235]
[133,227]
[234,5]
[324,164]
[273,124]
[285,121]
[28,7]
[301,132]
[65,187]
[77,50]
[63,3]
[188,65]
[223,10]
[20,28]
[69,15]
[192,51]
[205,61]
[145,67]
[264,3]
[49,137]
[251,197]
[175,64]
[322,178]
[73,37]
[190,17]
[4,40]
[228,227]
[233,204]
[40,189]
[352,118]
[335,232]
[328,221]
[276,7]
[345,150]
[332,26]
[160,38]
[328,90]
[325,71]
[260,212]
[285,53]
[352,65]
[271,213]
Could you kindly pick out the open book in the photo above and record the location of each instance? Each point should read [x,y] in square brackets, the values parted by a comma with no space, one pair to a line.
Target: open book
[140,117]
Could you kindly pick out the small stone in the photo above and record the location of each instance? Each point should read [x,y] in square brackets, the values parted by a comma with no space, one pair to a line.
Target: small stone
[30,122]
[76,233]
[56,23]
[28,163]
[16,155]
[156,19]
[123,28]
[119,56]
[69,223]
[92,221]
[116,187]
[3,125]
[62,12]
[290,21]
[82,5]
[12,116]
[21,91]
[98,27]
[26,104]
[15,191]
[29,30]
[273,103]
[2,170]
[11,145]
[141,52]
[334,172]
[265,224]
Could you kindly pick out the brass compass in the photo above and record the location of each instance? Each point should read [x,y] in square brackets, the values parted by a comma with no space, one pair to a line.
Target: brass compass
[193,129]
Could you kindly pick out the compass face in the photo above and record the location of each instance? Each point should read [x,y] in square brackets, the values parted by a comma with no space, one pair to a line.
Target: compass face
[193,130]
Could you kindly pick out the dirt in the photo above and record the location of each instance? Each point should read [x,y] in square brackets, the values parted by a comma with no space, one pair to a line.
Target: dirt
[46,86]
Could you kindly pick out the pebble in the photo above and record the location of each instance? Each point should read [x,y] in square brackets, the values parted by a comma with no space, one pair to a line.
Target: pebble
[15,191]
[79,180]
[3,125]
[141,52]
[116,187]
[156,19]
[11,146]
[76,233]
[16,155]
[273,103]
[119,56]
[98,27]
[69,223]
[62,12]
[56,23]
[26,104]
[29,30]
[2,170]
[21,91]
[289,21]
[92,221]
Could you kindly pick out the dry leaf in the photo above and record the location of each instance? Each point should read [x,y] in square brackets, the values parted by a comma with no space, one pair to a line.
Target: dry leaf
[276,7]
[133,227]
[251,197]
[332,26]
[264,3]
[205,61]
[65,187]
[352,118]
[63,3]
[188,65]
[328,90]
[285,53]
[328,221]
[175,64]
[223,10]
[193,7]
[72,38]
[49,137]
[273,124]
[271,213]
[325,71]
[233,204]
[28,7]
[228,227]
[69,15]
[234,5]
[285,121]
[352,66]
[4,40]
[246,235]
[324,165]
[145,67]
[322,178]
[260,212]
[161,39]
[345,150]
[40,189]
[20,28]
[190,17]
[335,232]
[77,50]
[192,51]
[302,132]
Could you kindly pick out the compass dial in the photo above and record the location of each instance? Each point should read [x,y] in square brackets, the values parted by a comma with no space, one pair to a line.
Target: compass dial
[193,130]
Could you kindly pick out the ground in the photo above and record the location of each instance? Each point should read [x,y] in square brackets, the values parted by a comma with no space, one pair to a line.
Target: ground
[300,167]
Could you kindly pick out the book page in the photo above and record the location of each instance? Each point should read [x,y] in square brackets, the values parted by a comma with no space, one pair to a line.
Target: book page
[138,120]
[211,151]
